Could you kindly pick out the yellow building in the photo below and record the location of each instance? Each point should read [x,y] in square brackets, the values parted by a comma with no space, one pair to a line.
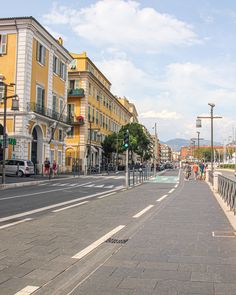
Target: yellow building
[37,63]
[131,107]
[94,110]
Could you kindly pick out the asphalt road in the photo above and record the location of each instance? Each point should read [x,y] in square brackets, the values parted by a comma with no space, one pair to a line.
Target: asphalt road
[23,199]
[228,174]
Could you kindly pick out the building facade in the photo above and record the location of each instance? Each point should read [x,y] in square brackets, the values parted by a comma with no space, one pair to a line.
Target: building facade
[166,153]
[95,112]
[37,63]
[131,107]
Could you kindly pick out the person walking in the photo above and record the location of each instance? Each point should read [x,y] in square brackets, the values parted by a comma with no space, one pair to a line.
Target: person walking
[54,168]
[47,166]
[195,170]
[202,170]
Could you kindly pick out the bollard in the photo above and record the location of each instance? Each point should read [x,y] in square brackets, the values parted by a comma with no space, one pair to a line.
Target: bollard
[133,176]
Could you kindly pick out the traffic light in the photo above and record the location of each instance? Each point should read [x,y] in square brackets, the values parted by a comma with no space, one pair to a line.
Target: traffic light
[126,139]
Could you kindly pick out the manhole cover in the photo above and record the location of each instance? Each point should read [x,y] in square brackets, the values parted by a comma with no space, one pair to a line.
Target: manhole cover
[224,234]
[116,241]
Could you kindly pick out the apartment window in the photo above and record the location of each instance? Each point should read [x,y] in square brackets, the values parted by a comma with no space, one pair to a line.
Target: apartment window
[60,135]
[89,114]
[40,97]
[71,132]
[71,110]
[59,156]
[51,156]
[41,53]
[97,117]
[93,116]
[1,93]
[101,120]
[72,84]
[54,106]
[3,44]
[62,71]
[61,105]
[90,89]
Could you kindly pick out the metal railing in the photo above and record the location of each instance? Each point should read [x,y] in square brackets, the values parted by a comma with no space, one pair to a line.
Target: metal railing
[227,190]
[136,176]
[39,109]
[211,177]
[76,92]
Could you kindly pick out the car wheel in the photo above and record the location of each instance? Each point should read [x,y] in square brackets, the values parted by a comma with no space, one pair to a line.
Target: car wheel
[20,173]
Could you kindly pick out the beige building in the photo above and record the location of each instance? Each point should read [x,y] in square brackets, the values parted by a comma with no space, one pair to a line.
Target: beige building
[131,107]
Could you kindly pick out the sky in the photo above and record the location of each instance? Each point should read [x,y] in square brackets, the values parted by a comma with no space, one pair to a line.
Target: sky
[169,57]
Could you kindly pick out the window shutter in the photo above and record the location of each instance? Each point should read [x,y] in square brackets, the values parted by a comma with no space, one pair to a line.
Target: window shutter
[4,44]
[58,67]
[38,51]
[43,55]
[39,95]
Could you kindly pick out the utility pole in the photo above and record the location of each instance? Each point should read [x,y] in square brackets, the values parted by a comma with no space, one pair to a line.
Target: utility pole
[155,152]
[126,146]
[90,147]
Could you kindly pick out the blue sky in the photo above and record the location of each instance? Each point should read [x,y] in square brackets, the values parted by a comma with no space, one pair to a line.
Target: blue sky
[170,57]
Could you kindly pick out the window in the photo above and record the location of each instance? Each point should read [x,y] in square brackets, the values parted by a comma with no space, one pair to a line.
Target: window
[71,110]
[72,84]
[89,114]
[41,53]
[93,116]
[3,44]
[90,90]
[62,71]
[61,105]
[97,117]
[71,132]
[40,96]
[101,120]
[51,156]
[60,135]
[59,155]
[56,65]
[52,132]
[1,93]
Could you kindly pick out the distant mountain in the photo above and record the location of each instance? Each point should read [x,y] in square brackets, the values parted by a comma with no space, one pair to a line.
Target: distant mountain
[177,143]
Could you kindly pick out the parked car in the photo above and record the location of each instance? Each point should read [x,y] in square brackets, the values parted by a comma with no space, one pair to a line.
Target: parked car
[18,167]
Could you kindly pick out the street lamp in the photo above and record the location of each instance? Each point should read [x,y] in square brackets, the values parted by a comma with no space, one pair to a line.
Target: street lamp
[198,124]
[15,107]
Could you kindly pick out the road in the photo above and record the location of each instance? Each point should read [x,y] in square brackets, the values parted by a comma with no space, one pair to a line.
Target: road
[25,199]
[227,173]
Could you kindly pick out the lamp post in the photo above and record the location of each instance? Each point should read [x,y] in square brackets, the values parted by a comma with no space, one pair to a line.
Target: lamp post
[198,124]
[15,106]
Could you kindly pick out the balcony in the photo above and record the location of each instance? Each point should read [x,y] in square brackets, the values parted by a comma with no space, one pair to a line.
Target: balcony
[79,120]
[76,92]
[46,112]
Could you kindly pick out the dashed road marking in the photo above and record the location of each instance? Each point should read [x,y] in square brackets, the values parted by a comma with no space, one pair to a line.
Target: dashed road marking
[68,207]
[171,191]
[27,290]
[109,186]
[15,223]
[162,198]
[89,185]
[143,211]
[99,186]
[106,195]
[176,185]
[97,243]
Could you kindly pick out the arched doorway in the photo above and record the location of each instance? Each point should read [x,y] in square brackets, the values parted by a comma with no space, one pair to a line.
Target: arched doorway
[37,145]
[1,147]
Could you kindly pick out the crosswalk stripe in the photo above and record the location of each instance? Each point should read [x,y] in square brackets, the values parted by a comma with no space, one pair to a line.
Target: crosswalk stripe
[73,184]
[89,185]
[99,186]
[109,186]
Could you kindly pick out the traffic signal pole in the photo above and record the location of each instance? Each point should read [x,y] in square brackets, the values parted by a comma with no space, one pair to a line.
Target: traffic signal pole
[127,169]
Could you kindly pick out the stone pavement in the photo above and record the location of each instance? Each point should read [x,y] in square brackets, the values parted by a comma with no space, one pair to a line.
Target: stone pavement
[171,249]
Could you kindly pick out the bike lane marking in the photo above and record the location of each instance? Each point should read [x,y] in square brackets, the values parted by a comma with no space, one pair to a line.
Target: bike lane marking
[143,211]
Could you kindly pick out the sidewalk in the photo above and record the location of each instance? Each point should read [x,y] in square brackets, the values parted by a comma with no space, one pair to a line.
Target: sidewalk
[182,246]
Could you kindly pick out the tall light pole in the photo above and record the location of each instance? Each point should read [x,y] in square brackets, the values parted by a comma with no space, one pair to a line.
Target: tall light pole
[198,124]
[15,106]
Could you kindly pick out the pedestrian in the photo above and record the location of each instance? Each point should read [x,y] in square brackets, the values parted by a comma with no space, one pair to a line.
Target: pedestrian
[187,171]
[47,166]
[54,168]
[195,170]
[202,170]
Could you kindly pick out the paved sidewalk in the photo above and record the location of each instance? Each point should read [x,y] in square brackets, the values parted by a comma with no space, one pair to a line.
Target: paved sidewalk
[171,249]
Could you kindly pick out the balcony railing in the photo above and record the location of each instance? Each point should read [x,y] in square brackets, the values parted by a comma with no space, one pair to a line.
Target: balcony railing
[78,92]
[39,109]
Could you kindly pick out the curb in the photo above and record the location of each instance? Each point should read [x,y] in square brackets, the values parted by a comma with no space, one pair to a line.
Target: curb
[21,184]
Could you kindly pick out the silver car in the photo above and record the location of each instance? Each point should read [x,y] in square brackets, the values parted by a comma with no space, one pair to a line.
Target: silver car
[18,167]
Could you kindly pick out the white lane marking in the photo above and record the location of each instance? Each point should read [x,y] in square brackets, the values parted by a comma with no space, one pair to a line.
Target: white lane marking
[71,206]
[119,177]
[171,191]
[63,184]
[162,198]
[106,195]
[41,184]
[27,290]
[97,243]
[72,184]
[109,186]
[176,185]
[99,186]
[56,184]
[137,184]
[123,190]
[53,206]
[15,223]
[40,193]
[89,185]
[143,211]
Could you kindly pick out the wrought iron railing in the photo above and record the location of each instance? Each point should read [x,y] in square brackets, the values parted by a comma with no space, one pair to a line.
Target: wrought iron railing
[76,92]
[39,109]
[227,190]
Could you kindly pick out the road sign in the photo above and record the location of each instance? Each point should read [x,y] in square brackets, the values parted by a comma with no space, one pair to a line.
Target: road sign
[8,140]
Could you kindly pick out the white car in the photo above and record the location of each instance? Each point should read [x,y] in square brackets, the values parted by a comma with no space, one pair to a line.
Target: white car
[18,167]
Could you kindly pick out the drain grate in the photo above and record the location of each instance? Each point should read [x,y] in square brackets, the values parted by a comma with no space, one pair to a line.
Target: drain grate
[116,241]
[224,234]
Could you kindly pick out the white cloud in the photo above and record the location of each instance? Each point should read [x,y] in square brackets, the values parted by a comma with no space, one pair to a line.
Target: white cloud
[164,114]
[125,25]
